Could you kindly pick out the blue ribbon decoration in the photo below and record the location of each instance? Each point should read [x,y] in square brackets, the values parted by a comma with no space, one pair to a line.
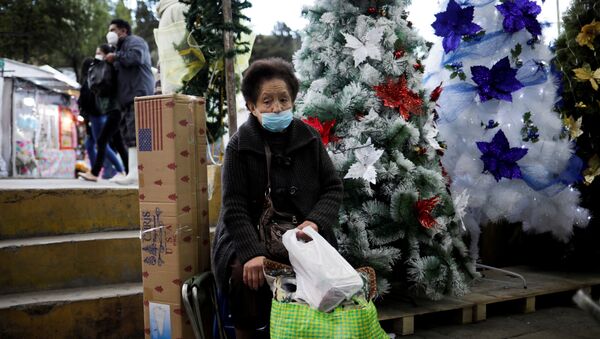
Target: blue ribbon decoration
[538,178]
[533,72]
[480,47]
[475,3]
[485,46]
[454,99]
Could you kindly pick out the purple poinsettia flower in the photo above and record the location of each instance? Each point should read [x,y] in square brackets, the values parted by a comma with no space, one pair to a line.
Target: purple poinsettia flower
[496,83]
[453,24]
[519,14]
[500,159]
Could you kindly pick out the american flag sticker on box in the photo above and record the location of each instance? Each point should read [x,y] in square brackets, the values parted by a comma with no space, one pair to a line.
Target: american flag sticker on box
[150,125]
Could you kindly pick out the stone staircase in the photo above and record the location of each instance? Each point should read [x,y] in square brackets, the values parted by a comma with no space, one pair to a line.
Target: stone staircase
[70,262]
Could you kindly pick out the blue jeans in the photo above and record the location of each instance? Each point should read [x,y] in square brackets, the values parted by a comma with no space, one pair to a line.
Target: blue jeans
[90,145]
[90,148]
[98,124]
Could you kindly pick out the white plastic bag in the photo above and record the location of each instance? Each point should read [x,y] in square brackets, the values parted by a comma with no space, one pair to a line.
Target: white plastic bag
[324,278]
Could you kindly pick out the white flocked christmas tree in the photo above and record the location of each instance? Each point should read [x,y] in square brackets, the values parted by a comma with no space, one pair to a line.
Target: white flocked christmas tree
[361,74]
[508,154]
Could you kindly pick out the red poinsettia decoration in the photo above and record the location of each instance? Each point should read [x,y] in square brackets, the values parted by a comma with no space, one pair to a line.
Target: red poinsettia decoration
[397,95]
[435,94]
[324,128]
[424,208]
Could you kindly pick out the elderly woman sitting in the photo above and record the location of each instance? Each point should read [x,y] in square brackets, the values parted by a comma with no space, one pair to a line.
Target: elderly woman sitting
[303,182]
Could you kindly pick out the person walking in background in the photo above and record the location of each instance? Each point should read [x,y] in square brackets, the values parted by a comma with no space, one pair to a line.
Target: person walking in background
[134,77]
[87,109]
[106,126]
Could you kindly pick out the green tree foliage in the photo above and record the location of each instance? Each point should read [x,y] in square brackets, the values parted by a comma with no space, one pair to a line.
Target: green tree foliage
[145,23]
[122,12]
[205,21]
[282,43]
[397,215]
[581,101]
[56,32]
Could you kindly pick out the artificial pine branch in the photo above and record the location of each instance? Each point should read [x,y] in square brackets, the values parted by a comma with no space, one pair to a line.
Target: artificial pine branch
[205,22]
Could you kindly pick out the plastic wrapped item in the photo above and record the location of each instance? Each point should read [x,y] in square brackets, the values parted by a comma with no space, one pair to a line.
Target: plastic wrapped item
[324,278]
[178,55]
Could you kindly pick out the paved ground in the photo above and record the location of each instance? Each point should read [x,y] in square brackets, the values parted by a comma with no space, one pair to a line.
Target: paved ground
[58,183]
[550,323]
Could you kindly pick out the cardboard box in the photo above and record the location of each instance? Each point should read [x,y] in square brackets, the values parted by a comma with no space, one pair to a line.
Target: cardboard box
[173,195]
[214,194]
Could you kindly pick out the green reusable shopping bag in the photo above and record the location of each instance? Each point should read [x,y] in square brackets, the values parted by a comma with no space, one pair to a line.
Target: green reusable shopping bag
[299,321]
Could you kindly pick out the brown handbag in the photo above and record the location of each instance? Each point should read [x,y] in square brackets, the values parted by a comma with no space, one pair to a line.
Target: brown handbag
[273,224]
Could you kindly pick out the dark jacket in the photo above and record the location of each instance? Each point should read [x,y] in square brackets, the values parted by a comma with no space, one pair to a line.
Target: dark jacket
[87,101]
[310,183]
[107,105]
[134,69]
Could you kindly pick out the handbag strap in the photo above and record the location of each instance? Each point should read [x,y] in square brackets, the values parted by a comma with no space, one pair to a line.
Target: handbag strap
[268,155]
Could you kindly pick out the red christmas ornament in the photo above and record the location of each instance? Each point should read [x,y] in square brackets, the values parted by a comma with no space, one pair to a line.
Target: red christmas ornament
[417,66]
[435,94]
[424,208]
[324,128]
[398,54]
[372,10]
[397,95]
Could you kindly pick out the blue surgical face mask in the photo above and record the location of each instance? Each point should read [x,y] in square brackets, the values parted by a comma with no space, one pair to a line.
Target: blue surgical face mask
[277,122]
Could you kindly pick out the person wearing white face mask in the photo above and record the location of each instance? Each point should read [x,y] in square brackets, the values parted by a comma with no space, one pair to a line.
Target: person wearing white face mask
[134,79]
[112,38]
[303,184]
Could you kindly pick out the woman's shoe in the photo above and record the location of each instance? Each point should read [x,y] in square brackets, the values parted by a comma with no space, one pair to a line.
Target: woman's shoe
[88,176]
[118,177]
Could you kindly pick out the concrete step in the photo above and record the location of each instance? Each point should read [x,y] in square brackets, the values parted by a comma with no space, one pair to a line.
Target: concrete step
[66,261]
[111,311]
[73,208]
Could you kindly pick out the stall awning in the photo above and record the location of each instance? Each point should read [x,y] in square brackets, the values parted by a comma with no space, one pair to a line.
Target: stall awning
[44,76]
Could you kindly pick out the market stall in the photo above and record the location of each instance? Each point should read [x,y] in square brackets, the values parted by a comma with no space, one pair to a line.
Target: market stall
[38,119]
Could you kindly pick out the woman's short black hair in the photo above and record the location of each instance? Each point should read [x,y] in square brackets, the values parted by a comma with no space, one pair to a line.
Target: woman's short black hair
[120,23]
[85,67]
[268,69]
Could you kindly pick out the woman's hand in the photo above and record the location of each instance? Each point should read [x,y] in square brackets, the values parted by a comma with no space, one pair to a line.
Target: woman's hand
[253,272]
[303,236]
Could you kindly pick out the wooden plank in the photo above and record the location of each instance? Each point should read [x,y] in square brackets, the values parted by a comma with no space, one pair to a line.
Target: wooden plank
[585,278]
[466,315]
[479,312]
[393,309]
[404,325]
[529,306]
[496,287]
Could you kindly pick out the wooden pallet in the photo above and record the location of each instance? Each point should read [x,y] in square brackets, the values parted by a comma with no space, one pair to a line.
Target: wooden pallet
[493,288]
